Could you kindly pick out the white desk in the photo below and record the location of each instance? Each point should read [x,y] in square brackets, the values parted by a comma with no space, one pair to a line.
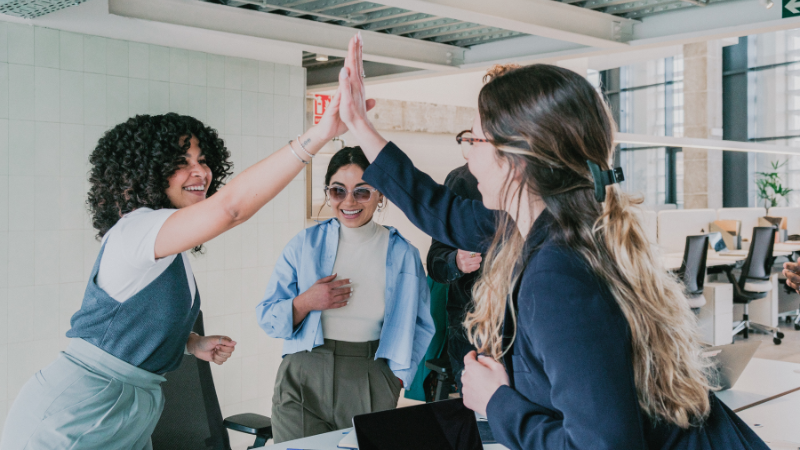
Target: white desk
[329,441]
[776,421]
[761,379]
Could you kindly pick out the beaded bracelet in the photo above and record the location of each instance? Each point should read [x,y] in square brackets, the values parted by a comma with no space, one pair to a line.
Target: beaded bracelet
[303,147]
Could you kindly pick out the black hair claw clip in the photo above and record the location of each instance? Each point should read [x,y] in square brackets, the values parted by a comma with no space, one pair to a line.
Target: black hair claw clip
[603,179]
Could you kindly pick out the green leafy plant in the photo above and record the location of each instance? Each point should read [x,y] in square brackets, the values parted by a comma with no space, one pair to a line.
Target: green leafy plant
[769,186]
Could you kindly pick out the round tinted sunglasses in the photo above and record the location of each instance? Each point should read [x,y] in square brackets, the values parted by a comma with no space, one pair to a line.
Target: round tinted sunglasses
[360,194]
[466,140]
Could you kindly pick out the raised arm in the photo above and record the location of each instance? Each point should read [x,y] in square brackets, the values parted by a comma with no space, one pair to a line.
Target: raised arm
[433,208]
[248,192]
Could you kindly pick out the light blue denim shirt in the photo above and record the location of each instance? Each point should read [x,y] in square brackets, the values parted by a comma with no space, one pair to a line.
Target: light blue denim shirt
[407,324]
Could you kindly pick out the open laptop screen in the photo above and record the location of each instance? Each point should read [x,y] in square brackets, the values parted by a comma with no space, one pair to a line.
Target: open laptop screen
[443,425]
[716,243]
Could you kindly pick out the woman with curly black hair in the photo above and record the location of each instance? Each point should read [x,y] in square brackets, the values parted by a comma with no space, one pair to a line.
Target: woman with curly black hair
[156,193]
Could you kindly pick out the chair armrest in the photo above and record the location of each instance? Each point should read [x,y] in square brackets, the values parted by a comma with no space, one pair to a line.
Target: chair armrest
[250,423]
[439,365]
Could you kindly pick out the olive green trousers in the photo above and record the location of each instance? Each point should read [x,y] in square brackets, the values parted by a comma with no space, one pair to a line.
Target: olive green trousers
[321,390]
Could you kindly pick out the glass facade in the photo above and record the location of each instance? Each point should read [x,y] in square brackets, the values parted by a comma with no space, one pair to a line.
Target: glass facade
[773,104]
[650,101]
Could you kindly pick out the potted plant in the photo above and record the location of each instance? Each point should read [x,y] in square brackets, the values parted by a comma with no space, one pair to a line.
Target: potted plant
[771,190]
[769,186]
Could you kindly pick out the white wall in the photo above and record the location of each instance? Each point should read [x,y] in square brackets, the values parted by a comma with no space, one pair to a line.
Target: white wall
[59,91]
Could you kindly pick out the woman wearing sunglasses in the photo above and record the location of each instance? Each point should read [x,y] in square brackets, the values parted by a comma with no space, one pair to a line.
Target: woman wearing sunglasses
[350,299]
[586,341]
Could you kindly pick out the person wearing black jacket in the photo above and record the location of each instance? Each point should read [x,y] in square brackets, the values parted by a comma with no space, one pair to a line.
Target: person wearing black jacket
[459,269]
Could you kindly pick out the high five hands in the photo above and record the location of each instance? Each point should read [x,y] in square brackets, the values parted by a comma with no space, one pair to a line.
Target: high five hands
[332,123]
[353,104]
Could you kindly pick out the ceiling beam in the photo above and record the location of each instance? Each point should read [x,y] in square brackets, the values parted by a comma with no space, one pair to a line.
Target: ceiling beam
[546,18]
[309,35]
[718,20]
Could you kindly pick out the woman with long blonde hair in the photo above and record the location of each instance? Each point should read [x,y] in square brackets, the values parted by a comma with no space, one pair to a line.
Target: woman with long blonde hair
[598,345]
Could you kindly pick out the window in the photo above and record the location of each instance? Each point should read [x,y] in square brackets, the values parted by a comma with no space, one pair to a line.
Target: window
[649,100]
[773,104]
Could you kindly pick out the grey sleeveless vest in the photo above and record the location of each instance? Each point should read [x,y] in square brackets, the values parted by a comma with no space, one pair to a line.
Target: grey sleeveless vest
[150,329]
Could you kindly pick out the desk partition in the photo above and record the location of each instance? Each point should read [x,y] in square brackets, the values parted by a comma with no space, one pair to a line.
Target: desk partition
[675,225]
[792,215]
[649,221]
[748,217]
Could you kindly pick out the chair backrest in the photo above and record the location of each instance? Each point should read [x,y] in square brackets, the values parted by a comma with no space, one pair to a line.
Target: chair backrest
[693,268]
[758,264]
[192,419]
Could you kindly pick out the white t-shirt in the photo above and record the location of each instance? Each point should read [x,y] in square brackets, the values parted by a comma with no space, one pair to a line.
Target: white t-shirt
[129,263]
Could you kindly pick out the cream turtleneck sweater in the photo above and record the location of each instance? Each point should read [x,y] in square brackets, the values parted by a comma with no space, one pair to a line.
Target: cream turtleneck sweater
[361,257]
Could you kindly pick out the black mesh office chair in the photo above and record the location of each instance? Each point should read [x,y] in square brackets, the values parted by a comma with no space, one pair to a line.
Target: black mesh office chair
[693,270]
[753,282]
[192,419]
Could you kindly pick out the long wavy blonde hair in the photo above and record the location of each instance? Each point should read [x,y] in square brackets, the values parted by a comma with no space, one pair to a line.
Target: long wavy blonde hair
[547,122]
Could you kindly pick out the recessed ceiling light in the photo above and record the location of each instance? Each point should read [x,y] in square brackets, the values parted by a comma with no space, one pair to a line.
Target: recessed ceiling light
[321,57]
[766,3]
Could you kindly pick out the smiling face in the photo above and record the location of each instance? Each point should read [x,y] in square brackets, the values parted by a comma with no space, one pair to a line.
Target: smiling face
[351,213]
[189,184]
[489,169]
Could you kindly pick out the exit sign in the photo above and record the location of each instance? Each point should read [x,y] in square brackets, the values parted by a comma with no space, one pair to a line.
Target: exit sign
[791,8]
[320,105]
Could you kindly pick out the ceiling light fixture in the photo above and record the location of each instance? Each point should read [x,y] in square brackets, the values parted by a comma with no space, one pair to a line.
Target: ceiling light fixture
[767,4]
[321,57]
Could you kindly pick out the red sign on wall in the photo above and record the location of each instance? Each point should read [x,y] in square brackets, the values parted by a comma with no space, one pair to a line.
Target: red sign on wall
[320,105]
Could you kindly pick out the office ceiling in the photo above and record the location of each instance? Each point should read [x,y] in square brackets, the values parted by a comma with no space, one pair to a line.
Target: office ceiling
[380,18]
[29,9]
[639,8]
[415,25]
[421,38]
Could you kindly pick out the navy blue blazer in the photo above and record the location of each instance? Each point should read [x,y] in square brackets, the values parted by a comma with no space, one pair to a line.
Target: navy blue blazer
[572,381]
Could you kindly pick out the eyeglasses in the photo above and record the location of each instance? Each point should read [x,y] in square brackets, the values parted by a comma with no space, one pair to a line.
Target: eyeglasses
[360,194]
[466,141]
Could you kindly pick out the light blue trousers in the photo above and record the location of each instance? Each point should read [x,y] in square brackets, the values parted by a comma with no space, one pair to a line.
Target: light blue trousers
[86,399]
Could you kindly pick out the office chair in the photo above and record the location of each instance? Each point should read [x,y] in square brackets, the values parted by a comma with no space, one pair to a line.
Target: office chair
[753,282]
[192,419]
[440,380]
[693,270]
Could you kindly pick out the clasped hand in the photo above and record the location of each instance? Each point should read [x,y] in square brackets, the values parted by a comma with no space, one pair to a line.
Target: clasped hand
[216,349]
[481,378]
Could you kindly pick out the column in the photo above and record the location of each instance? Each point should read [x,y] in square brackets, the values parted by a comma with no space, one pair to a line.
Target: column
[702,90]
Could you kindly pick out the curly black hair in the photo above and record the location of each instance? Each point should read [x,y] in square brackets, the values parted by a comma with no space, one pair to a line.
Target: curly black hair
[133,161]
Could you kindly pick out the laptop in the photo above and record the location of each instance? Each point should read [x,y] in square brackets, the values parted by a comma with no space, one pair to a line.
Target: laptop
[442,425]
[717,244]
[731,359]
